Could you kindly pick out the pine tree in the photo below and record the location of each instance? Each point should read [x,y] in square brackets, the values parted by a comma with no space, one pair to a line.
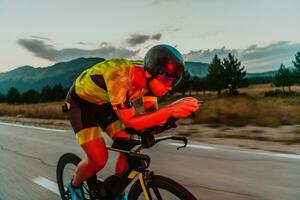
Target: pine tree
[185,84]
[215,79]
[197,84]
[46,94]
[297,66]
[234,74]
[58,92]
[2,98]
[13,96]
[31,96]
[284,77]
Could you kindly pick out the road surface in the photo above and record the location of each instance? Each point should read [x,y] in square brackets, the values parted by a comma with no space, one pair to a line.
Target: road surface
[28,158]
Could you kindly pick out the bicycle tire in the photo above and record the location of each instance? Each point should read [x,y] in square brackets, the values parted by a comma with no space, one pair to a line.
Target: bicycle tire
[161,183]
[68,158]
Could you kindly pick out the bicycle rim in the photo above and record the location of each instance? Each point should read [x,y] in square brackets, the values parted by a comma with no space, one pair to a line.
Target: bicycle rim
[161,188]
[65,172]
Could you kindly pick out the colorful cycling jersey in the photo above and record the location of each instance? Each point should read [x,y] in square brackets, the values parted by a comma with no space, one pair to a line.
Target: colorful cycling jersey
[109,81]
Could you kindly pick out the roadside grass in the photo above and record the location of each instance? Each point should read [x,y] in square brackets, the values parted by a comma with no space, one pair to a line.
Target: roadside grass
[250,108]
[244,110]
[41,110]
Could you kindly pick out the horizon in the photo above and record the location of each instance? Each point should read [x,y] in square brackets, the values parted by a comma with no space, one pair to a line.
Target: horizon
[102,58]
[47,34]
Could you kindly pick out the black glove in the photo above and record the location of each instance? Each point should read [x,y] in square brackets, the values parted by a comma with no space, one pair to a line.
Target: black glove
[148,140]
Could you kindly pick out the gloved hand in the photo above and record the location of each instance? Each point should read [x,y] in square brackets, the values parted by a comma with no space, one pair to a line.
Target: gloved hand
[184,107]
[148,140]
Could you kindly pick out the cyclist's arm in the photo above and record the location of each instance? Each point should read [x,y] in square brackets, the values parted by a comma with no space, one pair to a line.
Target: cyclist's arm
[141,121]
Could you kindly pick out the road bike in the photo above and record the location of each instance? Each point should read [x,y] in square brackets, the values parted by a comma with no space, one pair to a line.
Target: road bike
[143,183]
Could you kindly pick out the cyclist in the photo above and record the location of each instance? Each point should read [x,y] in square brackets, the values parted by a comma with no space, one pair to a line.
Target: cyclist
[101,100]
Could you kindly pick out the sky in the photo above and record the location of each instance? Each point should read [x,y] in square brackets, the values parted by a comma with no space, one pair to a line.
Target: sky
[261,33]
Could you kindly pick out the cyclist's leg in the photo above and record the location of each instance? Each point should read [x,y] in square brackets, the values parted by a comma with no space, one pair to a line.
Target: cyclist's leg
[88,134]
[114,127]
[96,159]
[122,164]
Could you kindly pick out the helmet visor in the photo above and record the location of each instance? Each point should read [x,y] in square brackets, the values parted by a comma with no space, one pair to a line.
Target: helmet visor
[167,79]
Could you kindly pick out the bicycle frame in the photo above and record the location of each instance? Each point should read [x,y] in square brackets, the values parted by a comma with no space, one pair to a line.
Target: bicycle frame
[137,166]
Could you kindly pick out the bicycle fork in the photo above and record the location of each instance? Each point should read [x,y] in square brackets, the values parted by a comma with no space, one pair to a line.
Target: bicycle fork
[144,186]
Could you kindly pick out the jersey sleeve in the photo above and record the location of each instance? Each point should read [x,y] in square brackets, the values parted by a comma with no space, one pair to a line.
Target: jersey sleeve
[118,84]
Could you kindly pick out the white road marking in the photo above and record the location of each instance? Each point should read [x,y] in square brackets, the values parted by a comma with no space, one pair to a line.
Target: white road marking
[50,185]
[257,152]
[195,146]
[32,127]
[280,155]
[287,155]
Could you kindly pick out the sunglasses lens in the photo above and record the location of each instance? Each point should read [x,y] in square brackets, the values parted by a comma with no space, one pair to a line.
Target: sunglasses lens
[167,80]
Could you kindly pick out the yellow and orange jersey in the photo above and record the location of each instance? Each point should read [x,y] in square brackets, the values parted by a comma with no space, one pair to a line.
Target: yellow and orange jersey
[109,81]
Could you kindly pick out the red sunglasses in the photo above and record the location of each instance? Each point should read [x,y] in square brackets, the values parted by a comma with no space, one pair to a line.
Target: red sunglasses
[167,79]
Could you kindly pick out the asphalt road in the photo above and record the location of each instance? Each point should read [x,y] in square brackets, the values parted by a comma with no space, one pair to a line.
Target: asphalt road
[28,158]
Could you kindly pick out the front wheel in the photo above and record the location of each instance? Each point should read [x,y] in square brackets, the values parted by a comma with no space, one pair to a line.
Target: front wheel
[161,188]
[65,171]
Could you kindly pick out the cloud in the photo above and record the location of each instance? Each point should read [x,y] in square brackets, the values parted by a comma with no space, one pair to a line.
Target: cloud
[156,36]
[207,55]
[270,56]
[170,29]
[102,44]
[84,43]
[136,39]
[255,57]
[41,38]
[42,50]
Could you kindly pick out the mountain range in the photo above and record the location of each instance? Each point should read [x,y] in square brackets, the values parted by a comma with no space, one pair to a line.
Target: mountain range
[27,77]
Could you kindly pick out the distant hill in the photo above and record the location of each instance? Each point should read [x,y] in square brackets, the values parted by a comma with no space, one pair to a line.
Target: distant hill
[197,68]
[27,77]
[262,74]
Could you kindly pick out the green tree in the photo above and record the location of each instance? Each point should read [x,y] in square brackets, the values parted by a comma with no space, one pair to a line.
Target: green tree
[2,98]
[199,84]
[234,74]
[215,78]
[31,96]
[58,92]
[13,96]
[185,84]
[297,66]
[284,78]
[46,94]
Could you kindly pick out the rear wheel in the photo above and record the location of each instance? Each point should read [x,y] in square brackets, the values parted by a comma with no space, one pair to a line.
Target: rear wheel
[65,171]
[161,188]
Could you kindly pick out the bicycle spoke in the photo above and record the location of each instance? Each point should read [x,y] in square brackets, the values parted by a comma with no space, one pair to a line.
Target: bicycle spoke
[85,187]
[157,193]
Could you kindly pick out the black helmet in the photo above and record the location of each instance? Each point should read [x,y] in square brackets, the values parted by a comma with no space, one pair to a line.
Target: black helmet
[164,62]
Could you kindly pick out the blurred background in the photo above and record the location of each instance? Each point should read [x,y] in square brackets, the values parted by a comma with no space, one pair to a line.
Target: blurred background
[242,57]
